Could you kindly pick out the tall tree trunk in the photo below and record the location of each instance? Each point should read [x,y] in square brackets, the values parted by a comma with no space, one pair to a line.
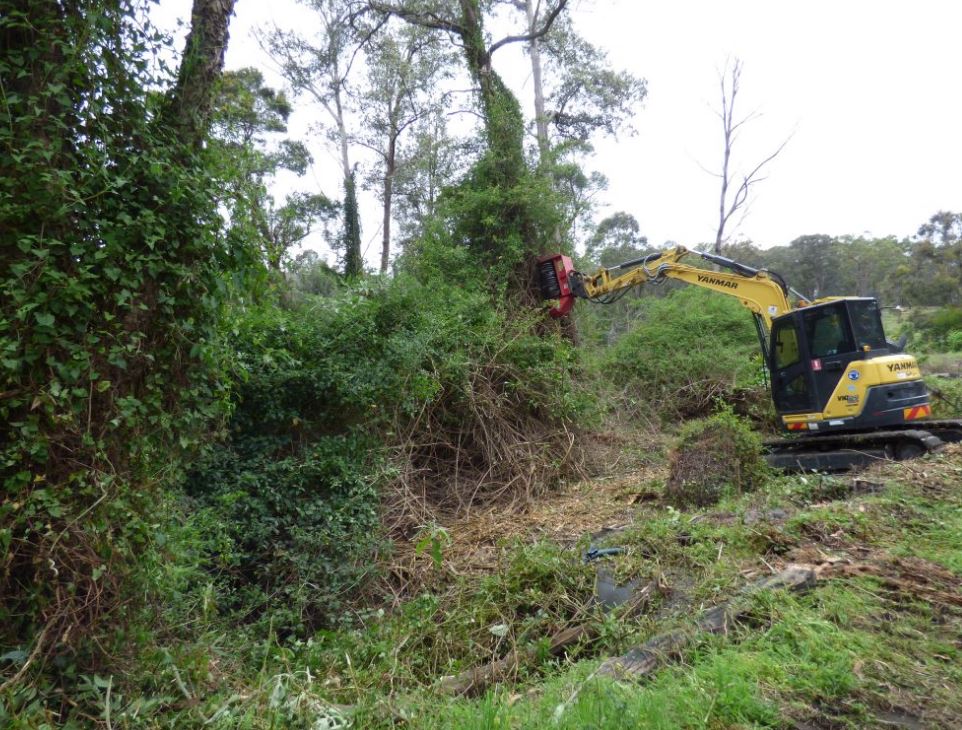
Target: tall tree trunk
[75,130]
[189,105]
[353,260]
[540,116]
[390,166]
[504,130]
[342,135]
[503,121]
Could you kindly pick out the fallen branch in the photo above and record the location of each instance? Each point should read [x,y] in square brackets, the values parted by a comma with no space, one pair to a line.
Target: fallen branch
[475,680]
[641,661]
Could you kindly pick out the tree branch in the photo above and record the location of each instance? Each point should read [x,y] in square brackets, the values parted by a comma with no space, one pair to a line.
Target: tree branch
[540,33]
[425,20]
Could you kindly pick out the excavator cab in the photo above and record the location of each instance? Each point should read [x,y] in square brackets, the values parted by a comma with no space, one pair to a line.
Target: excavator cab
[832,369]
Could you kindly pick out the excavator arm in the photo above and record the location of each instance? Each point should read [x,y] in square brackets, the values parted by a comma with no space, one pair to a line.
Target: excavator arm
[762,292]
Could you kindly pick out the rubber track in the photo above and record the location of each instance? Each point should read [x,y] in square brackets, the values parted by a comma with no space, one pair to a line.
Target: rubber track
[845,451]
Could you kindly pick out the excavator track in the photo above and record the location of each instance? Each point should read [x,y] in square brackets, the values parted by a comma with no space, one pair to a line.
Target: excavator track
[844,451]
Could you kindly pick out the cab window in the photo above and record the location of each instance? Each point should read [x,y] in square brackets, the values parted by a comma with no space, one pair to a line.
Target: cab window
[786,345]
[867,323]
[827,331]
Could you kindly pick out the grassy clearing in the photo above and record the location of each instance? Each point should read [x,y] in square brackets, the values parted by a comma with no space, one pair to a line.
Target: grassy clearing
[852,653]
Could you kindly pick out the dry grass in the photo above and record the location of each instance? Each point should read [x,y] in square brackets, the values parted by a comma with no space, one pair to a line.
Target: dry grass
[490,444]
[475,539]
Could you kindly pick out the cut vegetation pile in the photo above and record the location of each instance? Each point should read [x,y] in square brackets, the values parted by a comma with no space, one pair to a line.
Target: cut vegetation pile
[714,457]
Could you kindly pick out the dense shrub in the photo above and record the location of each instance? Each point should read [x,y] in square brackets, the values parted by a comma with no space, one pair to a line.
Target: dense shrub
[684,351]
[112,275]
[953,341]
[392,399]
[713,458]
[301,526]
[937,330]
[946,396]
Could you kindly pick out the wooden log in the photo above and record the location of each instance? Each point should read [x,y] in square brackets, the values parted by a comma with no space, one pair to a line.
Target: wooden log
[643,660]
[477,679]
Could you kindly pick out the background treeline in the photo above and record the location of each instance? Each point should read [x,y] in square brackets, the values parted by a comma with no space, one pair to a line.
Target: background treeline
[924,270]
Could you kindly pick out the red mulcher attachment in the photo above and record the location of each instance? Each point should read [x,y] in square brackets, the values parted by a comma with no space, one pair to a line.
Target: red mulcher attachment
[553,273]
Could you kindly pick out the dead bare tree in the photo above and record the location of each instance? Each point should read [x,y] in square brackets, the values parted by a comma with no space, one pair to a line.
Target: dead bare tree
[729,204]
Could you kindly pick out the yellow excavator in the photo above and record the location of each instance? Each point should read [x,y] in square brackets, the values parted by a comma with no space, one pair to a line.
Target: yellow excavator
[851,396]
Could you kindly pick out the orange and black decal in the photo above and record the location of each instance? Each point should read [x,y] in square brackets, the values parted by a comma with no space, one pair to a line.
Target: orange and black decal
[916,412]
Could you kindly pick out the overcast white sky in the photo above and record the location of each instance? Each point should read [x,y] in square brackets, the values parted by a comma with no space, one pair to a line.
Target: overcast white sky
[868,89]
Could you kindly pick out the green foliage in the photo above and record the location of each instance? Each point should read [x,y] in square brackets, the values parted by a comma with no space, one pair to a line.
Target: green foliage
[935,330]
[350,243]
[501,221]
[616,239]
[947,396]
[682,352]
[327,391]
[247,118]
[112,277]
[533,590]
[301,525]
[308,274]
[713,458]
[586,97]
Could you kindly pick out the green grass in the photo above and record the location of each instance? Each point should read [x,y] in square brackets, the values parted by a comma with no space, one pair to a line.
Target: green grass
[817,656]
[842,655]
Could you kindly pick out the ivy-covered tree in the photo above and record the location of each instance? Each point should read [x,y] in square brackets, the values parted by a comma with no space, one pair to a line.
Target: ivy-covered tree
[500,215]
[112,275]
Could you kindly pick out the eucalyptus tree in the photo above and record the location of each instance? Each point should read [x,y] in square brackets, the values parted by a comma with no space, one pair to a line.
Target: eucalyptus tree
[578,97]
[321,67]
[406,70]
[248,116]
[499,214]
[935,275]
[431,161]
[577,94]
[943,228]
[616,239]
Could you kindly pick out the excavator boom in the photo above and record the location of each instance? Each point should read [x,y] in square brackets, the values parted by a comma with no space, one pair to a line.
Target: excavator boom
[762,292]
